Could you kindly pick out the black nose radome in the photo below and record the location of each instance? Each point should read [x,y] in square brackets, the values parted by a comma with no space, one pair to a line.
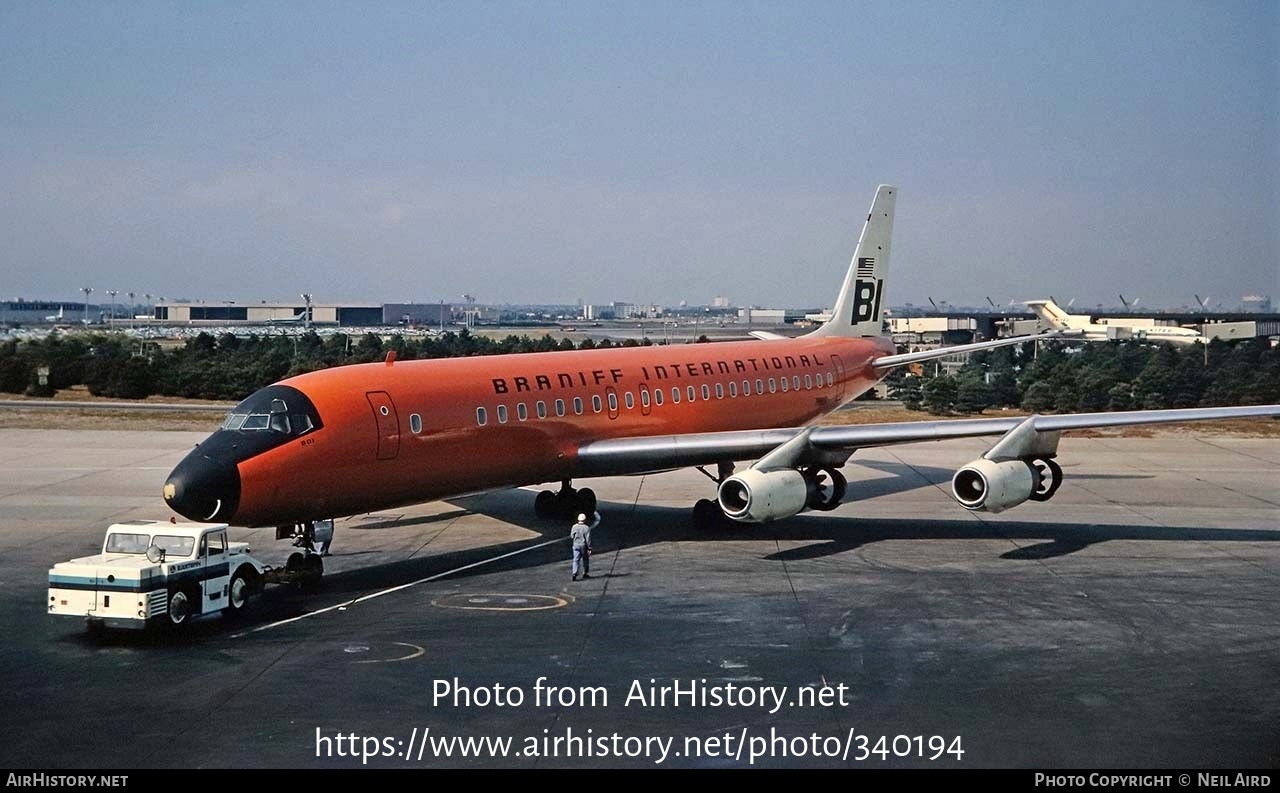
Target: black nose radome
[204,489]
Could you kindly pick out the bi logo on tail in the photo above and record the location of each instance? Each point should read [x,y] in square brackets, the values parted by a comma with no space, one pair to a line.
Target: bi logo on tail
[866,291]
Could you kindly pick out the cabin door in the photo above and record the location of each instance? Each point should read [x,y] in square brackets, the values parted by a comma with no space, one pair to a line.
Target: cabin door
[384,413]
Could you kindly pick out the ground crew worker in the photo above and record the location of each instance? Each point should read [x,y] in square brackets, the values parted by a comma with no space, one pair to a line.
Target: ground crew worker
[580,537]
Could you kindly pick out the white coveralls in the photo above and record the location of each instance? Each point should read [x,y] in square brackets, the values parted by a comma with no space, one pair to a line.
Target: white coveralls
[580,537]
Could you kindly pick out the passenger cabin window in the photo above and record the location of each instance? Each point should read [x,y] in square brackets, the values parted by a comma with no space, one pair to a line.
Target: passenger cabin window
[795,382]
[559,407]
[720,391]
[773,386]
[760,386]
[818,379]
[706,391]
[613,403]
[595,403]
[502,414]
[415,423]
[830,379]
[808,382]
[746,388]
[522,412]
[733,389]
[482,418]
[692,396]
[675,395]
[577,405]
[644,399]
[630,400]
[784,385]
[657,397]
[542,410]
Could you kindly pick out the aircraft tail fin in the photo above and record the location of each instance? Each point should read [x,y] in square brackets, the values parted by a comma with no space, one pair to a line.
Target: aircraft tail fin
[859,307]
[1050,313]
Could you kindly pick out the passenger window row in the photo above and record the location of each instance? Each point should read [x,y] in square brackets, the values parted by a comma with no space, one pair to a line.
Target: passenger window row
[689,393]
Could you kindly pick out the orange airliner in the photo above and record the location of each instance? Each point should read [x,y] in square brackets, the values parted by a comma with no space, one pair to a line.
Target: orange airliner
[360,438]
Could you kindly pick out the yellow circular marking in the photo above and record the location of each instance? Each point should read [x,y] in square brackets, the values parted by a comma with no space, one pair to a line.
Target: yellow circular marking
[169,491]
[417,651]
[489,601]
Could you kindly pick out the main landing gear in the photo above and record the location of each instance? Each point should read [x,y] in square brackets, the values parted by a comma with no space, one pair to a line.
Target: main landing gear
[312,539]
[566,504]
[707,514]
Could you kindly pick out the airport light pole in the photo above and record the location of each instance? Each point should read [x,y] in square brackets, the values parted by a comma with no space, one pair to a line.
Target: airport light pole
[306,317]
[88,290]
[113,293]
[132,308]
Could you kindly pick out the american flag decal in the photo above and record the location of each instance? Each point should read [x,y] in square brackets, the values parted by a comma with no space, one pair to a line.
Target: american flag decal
[867,267]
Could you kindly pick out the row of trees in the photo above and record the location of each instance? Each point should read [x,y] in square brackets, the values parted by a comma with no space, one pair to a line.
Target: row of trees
[1057,377]
[228,366]
[1099,377]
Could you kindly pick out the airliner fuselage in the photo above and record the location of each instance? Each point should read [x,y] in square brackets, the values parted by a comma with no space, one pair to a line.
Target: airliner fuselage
[371,436]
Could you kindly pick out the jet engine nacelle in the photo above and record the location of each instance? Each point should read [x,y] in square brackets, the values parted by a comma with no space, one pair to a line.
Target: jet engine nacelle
[994,487]
[758,496]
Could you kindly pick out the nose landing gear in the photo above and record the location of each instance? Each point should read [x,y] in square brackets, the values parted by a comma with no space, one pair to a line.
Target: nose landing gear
[313,539]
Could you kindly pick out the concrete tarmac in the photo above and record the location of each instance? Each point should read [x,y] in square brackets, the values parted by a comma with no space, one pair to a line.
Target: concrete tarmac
[1133,621]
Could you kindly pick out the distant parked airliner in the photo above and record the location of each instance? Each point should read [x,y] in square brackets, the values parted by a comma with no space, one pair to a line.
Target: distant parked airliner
[1081,326]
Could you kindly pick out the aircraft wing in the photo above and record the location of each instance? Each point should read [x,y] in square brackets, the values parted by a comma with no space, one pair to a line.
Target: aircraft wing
[900,359]
[665,452]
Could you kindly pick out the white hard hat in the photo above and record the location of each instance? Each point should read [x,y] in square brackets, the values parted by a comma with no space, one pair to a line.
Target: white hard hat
[582,518]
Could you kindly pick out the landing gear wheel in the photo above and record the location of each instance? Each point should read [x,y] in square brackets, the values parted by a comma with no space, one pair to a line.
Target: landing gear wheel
[238,592]
[179,608]
[294,563]
[707,515]
[310,572]
[586,501]
[544,504]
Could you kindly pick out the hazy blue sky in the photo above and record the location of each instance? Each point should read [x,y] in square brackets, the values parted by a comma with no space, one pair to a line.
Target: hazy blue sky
[646,151]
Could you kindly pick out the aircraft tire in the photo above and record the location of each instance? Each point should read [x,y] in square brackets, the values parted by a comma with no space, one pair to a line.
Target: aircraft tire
[707,515]
[586,502]
[544,504]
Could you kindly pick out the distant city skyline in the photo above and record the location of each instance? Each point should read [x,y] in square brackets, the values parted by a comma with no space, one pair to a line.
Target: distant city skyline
[648,152]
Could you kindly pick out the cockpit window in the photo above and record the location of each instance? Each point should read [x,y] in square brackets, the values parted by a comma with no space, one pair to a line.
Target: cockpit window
[278,410]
